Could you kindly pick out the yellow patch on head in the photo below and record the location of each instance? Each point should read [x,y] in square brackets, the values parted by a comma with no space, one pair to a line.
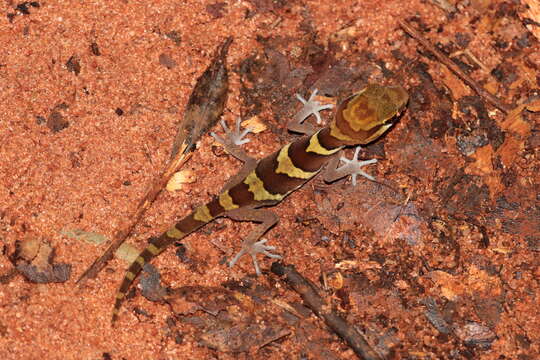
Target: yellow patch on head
[316,147]
[361,113]
[256,187]
[120,295]
[174,233]
[203,214]
[286,166]
[226,201]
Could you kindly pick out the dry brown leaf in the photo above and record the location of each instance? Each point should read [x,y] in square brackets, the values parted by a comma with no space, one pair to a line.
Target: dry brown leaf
[34,260]
[206,102]
[483,166]
[45,253]
[474,334]
[255,124]
[227,337]
[150,284]
[454,83]
[476,282]
[479,282]
[514,121]
[180,178]
[534,105]
[509,150]
[28,248]
[532,12]
[449,286]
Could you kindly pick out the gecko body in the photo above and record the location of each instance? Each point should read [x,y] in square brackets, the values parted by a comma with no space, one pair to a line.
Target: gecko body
[359,119]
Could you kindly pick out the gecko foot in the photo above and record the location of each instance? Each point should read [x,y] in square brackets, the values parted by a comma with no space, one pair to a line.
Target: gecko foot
[234,136]
[311,106]
[253,250]
[353,166]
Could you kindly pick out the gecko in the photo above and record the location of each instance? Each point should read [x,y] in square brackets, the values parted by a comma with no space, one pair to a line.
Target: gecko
[358,120]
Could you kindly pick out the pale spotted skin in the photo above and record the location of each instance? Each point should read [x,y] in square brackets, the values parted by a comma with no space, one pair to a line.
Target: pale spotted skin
[360,119]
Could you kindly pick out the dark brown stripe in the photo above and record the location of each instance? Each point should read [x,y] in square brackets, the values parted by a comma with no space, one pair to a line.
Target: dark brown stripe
[241,195]
[163,241]
[215,208]
[186,225]
[307,161]
[146,255]
[135,268]
[189,224]
[328,141]
[273,182]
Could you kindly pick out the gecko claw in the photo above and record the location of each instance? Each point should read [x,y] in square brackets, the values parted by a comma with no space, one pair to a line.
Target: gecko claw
[311,106]
[353,166]
[253,250]
[235,136]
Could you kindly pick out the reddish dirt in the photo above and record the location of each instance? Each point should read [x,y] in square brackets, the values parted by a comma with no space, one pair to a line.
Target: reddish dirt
[442,262]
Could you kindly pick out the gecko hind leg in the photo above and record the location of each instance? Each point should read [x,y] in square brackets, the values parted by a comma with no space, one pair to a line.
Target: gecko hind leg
[231,142]
[251,244]
[351,167]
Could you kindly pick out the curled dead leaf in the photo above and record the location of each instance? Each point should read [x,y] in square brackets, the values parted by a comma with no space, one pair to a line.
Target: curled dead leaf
[150,284]
[334,280]
[180,178]
[532,12]
[475,334]
[255,124]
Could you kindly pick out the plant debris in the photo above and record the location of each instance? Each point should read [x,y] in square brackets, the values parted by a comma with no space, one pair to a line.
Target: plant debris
[203,110]
[436,259]
[150,285]
[34,257]
[316,303]
[230,322]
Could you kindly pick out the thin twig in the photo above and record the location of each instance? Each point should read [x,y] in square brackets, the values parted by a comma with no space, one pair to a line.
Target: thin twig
[316,303]
[455,69]
[204,108]
[125,229]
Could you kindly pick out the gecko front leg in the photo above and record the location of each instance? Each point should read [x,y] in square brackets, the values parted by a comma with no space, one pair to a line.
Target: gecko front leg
[310,107]
[231,142]
[233,139]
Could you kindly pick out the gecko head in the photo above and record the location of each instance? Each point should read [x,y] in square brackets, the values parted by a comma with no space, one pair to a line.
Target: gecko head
[366,115]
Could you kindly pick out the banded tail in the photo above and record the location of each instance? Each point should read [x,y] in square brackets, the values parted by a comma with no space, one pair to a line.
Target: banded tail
[198,218]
